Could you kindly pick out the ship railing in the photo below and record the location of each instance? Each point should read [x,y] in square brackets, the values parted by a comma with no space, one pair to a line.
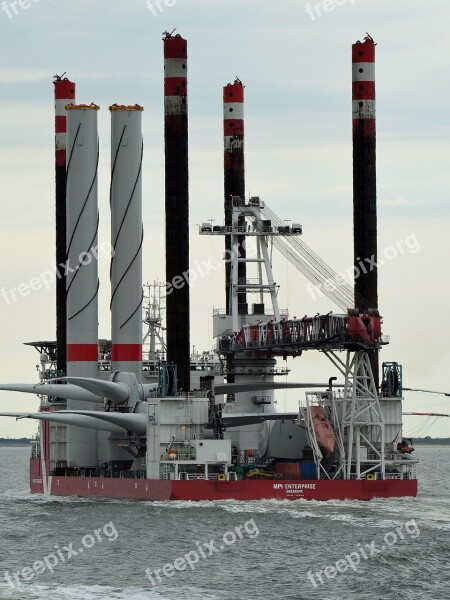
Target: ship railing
[397,456]
[104,365]
[200,476]
[284,313]
[179,455]
[232,407]
[393,476]
[306,342]
[107,473]
[371,456]
[128,474]
[249,281]
[376,476]
[197,394]
[257,370]
[210,367]
[35,449]
[217,436]
[151,367]
[50,375]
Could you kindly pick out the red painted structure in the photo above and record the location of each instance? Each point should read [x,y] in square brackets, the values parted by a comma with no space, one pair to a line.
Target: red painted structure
[177,205]
[365,181]
[64,91]
[234,178]
[195,490]
[364,173]
[289,337]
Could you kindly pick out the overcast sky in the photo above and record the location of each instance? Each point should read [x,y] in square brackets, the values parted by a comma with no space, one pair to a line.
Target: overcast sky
[297,72]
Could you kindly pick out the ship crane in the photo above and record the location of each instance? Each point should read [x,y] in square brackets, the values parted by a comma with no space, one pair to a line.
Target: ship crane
[328,282]
[278,335]
[356,413]
[289,337]
[286,239]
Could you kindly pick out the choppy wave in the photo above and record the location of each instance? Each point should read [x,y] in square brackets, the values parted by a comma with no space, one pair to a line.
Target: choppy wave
[98,592]
[294,536]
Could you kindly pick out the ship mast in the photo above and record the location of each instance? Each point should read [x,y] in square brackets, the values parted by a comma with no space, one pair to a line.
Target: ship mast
[154,343]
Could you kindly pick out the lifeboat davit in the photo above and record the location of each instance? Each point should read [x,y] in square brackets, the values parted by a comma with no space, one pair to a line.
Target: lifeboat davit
[323,429]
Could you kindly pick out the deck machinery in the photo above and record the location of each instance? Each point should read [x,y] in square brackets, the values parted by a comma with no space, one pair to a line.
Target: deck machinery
[366,425]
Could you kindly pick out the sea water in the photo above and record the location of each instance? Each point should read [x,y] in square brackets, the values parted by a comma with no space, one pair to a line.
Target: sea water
[83,549]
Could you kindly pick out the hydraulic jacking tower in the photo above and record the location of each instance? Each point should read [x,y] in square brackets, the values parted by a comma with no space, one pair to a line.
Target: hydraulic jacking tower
[365,182]
[64,91]
[177,205]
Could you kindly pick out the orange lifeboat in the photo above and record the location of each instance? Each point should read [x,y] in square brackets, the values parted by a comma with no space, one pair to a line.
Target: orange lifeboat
[404,446]
[323,429]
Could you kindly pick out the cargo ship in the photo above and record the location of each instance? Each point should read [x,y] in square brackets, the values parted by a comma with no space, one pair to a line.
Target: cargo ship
[180,427]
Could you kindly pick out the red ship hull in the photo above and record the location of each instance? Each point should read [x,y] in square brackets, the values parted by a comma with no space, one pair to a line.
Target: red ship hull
[194,490]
